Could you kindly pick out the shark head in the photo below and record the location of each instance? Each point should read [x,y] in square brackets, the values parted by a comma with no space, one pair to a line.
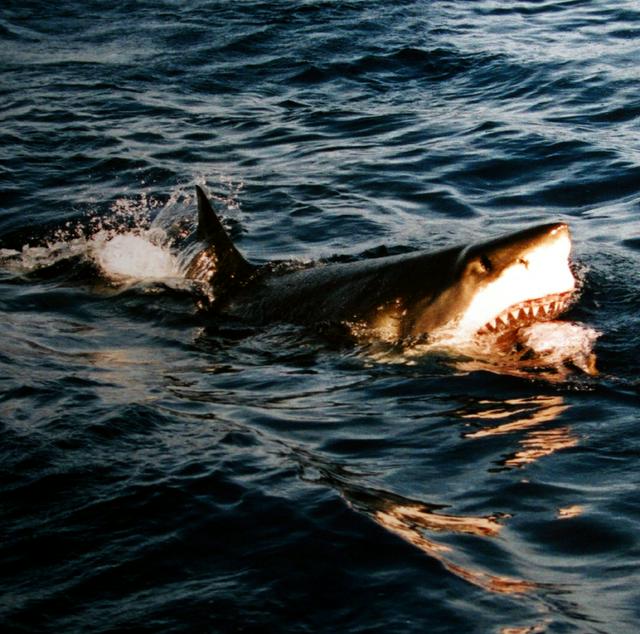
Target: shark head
[499,286]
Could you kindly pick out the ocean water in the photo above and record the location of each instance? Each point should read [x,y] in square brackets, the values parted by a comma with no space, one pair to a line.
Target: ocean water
[163,472]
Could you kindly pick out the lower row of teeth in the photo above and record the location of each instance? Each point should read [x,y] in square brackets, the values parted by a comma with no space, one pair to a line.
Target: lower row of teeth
[541,311]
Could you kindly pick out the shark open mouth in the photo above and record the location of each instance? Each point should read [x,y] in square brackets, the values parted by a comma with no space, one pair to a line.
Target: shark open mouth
[528,312]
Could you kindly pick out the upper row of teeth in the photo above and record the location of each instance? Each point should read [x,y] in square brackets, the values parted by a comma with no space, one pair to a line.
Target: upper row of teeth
[539,311]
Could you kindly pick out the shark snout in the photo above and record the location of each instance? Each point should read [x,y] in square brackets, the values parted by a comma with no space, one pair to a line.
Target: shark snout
[537,235]
[555,230]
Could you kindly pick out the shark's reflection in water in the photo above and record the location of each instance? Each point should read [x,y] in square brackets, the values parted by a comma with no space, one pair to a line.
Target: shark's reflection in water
[420,524]
[531,428]
[526,416]
[429,527]
[411,522]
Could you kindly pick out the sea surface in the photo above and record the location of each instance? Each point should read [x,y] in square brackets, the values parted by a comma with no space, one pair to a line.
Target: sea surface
[165,472]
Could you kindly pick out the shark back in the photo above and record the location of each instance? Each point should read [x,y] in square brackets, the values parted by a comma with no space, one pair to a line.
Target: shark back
[219,264]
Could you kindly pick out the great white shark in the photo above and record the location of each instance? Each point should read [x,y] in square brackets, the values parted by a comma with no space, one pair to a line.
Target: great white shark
[487,289]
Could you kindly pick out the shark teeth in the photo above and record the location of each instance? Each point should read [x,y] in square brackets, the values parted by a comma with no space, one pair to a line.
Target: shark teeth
[519,315]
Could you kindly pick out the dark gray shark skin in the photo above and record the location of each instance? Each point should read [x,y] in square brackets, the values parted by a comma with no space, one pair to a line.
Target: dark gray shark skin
[396,297]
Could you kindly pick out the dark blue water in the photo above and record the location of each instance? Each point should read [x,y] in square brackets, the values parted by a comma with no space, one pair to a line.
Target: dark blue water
[159,474]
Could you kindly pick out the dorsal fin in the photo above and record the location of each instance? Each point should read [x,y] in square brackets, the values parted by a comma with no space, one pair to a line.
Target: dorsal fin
[230,261]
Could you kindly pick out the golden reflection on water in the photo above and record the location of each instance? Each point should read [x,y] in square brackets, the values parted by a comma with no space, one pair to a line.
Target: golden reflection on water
[568,512]
[522,415]
[417,523]
[408,522]
[540,443]
[532,629]
[526,412]
[424,517]
[126,374]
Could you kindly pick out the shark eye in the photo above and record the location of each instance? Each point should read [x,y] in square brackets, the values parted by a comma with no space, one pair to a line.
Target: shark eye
[486,263]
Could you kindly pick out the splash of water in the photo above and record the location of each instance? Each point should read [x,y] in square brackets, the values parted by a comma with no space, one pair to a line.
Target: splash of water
[134,256]
[556,343]
[552,350]
[124,246]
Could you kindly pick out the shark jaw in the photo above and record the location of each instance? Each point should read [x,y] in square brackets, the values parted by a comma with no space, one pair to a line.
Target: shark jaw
[535,284]
[528,312]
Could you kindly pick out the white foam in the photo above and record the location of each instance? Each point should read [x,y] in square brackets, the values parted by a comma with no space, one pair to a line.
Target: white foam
[133,256]
[560,341]
[30,258]
[547,350]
